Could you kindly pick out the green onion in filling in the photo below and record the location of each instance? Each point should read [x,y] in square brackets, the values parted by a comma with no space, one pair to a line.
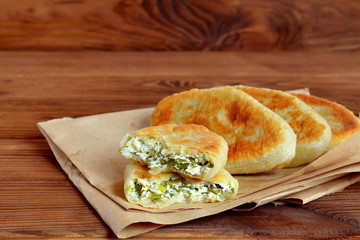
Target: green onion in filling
[154,155]
[181,190]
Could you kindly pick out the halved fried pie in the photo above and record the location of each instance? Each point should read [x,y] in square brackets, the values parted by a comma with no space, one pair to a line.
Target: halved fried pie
[188,149]
[164,189]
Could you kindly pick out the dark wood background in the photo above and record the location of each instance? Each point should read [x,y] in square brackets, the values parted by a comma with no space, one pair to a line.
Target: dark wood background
[82,57]
[180,25]
[38,200]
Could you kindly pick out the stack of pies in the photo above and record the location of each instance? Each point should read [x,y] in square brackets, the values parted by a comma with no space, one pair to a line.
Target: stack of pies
[176,164]
[265,129]
[252,130]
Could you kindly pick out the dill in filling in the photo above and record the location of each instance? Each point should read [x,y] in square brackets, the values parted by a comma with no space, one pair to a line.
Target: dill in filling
[155,155]
[180,190]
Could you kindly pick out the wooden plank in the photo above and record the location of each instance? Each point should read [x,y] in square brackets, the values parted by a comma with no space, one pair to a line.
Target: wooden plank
[350,207]
[157,64]
[36,198]
[258,222]
[178,25]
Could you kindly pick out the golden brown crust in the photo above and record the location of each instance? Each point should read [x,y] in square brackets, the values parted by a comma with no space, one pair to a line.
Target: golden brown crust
[194,137]
[187,140]
[342,121]
[251,130]
[312,132]
[300,118]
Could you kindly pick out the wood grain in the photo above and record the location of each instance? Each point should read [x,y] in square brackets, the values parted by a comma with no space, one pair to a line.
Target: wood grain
[36,198]
[179,25]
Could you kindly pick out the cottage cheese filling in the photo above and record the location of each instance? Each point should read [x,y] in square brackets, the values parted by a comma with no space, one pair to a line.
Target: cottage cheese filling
[177,190]
[159,159]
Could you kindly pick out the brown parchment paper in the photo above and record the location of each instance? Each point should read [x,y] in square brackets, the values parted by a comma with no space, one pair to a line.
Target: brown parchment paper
[87,149]
[320,190]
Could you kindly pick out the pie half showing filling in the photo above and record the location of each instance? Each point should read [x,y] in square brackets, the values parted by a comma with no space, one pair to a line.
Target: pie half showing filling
[164,189]
[153,154]
[188,149]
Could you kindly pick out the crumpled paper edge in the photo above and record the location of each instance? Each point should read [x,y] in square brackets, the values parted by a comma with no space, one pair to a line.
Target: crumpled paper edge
[321,190]
[82,183]
[122,229]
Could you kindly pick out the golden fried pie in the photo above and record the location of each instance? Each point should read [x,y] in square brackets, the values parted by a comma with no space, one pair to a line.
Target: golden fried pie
[164,189]
[342,121]
[312,131]
[259,140]
[188,149]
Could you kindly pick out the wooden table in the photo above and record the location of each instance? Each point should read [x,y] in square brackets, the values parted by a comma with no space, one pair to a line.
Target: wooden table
[38,200]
